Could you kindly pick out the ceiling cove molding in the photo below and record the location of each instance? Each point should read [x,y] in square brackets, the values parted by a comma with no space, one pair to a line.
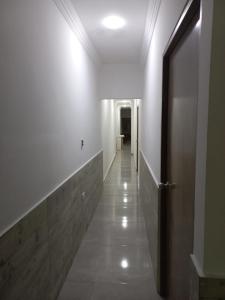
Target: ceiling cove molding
[69,13]
[152,14]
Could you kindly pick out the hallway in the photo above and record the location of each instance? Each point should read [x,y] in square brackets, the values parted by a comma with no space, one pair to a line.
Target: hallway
[113,261]
[78,78]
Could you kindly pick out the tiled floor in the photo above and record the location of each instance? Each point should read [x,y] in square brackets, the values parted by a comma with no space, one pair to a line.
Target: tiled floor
[113,261]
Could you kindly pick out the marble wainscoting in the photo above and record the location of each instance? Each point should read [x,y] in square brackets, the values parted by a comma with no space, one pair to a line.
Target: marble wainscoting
[204,287]
[150,199]
[37,252]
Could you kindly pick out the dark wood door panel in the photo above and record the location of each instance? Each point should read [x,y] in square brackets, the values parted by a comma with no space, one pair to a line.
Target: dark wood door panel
[178,151]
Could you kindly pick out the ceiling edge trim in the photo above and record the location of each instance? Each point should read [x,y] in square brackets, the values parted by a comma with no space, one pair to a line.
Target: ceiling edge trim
[68,11]
[152,15]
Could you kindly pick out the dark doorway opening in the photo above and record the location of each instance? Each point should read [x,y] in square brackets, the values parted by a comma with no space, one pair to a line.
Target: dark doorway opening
[125,128]
[137,163]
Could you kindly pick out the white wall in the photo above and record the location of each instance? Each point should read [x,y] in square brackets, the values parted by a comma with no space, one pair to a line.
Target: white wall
[49,102]
[121,81]
[214,246]
[202,120]
[152,104]
[169,13]
[108,134]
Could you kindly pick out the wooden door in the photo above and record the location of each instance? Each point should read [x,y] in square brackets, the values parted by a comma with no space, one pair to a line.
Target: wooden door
[179,158]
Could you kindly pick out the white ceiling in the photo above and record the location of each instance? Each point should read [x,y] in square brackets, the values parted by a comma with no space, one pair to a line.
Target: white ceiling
[124,45]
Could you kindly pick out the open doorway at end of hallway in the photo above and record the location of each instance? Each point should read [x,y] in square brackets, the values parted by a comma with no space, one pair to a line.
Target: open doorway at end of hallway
[120,130]
[125,127]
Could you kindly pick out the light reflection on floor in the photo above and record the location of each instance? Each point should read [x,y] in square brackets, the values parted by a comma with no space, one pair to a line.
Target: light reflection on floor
[113,261]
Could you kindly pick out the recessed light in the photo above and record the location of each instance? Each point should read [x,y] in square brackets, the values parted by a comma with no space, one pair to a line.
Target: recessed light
[113,22]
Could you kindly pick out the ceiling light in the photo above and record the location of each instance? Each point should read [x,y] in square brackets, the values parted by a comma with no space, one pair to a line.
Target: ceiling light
[113,22]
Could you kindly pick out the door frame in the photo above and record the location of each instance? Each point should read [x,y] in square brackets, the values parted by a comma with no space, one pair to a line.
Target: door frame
[190,15]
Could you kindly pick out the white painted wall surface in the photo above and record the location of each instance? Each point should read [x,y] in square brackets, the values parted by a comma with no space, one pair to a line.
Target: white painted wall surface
[108,134]
[49,102]
[214,255]
[121,81]
[169,13]
[202,119]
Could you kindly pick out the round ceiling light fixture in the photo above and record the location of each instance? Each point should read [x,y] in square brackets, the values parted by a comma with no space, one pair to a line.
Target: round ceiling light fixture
[113,22]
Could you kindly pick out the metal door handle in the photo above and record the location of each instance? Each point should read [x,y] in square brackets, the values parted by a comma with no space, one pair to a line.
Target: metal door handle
[167,185]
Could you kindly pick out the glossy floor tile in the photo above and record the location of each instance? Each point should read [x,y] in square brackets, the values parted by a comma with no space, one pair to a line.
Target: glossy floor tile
[113,261]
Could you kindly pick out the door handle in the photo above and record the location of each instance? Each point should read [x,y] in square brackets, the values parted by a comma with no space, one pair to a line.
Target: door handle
[167,186]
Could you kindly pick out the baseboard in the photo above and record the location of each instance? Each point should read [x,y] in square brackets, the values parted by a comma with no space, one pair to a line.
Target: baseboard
[205,287]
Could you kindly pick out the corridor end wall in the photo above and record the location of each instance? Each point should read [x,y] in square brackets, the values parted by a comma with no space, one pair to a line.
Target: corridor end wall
[121,81]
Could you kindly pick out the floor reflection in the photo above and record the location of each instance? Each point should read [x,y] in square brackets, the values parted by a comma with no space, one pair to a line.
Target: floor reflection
[126,164]
[113,261]
[124,263]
